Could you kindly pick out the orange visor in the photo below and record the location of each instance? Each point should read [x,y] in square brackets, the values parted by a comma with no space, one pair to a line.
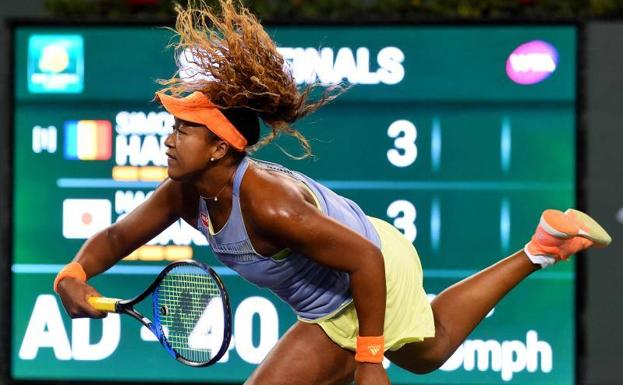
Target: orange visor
[197,108]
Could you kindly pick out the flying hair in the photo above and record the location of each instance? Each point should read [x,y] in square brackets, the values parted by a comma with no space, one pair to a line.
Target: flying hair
[235,63]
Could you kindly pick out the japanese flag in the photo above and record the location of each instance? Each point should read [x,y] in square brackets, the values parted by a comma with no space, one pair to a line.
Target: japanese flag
[85,217]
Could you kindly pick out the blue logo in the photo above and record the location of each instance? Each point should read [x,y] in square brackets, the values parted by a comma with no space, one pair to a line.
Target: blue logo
[55,64]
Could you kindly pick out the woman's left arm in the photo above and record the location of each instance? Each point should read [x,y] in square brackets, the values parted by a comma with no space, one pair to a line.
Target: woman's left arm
[291,222]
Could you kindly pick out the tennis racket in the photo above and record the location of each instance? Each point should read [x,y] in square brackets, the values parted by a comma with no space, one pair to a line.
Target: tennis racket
[191,312]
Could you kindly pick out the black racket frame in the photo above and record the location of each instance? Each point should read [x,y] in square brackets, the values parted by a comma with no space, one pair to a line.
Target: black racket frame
[127,307]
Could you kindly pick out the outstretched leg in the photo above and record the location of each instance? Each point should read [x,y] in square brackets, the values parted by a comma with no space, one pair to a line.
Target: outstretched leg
[458,309]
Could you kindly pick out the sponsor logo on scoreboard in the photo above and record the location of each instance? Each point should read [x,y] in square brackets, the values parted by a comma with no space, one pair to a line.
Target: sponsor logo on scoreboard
[88,140]
[532,62]
[55,64]
[83,218]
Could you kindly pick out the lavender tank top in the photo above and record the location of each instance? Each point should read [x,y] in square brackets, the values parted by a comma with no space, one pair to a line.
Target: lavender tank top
[312,290]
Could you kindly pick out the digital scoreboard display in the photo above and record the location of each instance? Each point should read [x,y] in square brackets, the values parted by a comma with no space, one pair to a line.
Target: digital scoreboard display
[458,135]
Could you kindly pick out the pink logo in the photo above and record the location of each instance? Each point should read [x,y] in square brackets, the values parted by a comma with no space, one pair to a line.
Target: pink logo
[204,219]
[532,62]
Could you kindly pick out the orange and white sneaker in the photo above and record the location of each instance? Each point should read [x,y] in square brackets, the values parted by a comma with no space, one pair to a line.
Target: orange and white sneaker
[560,235]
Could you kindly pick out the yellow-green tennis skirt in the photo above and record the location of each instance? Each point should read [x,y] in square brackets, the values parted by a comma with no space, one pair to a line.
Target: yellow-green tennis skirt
[408,315]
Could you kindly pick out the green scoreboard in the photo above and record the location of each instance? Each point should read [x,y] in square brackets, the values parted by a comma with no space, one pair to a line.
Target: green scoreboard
[458,135]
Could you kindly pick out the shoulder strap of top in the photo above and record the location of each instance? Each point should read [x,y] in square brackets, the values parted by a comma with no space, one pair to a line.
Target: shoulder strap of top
[242,168]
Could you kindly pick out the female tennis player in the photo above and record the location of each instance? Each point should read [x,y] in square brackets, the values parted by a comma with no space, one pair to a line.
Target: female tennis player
[355,282]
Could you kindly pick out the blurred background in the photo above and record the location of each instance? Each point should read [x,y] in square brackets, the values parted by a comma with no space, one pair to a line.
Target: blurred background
[460,112]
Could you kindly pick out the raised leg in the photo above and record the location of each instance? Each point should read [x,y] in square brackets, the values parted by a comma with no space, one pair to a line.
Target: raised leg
[458,309]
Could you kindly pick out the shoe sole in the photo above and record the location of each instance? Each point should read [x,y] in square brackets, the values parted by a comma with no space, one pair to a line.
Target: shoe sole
[557,224]
[574,223]
[589,228]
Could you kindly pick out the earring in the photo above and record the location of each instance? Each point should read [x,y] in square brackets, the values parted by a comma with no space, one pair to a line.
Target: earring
[211,159]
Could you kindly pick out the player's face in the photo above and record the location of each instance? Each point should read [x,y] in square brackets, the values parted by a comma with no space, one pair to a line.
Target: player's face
[188,150]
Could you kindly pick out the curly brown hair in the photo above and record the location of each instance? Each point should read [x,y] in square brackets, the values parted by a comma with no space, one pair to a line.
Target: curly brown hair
[237,65]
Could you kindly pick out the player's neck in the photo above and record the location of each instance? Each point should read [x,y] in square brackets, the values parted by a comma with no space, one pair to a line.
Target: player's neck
[216,184]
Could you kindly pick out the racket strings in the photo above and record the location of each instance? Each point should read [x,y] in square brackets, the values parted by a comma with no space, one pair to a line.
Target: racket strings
[191,310]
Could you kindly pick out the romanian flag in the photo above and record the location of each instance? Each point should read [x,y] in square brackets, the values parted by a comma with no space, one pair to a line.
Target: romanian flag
[88,139]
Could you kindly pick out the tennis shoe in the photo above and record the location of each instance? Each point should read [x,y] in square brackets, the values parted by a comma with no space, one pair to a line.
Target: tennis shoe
[560,235]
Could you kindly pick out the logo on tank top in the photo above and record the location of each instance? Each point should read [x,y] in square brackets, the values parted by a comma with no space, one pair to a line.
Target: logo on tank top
[205,220]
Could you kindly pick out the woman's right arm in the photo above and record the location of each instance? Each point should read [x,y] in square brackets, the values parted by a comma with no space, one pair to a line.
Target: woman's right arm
[107,247]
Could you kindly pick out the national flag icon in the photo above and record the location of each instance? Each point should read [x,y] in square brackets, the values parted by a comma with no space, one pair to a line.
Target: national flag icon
[88,139]
[85,217]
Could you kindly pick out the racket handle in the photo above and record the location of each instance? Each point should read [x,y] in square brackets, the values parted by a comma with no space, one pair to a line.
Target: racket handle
[104,303]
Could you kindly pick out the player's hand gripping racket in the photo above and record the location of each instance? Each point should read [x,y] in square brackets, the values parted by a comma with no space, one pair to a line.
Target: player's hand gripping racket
[191,312]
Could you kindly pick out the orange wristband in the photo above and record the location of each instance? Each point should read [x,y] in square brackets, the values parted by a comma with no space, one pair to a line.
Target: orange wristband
[73,270]
[370,349]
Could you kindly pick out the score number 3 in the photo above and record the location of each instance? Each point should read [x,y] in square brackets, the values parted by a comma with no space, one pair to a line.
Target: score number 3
[404,213]
[404,152]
